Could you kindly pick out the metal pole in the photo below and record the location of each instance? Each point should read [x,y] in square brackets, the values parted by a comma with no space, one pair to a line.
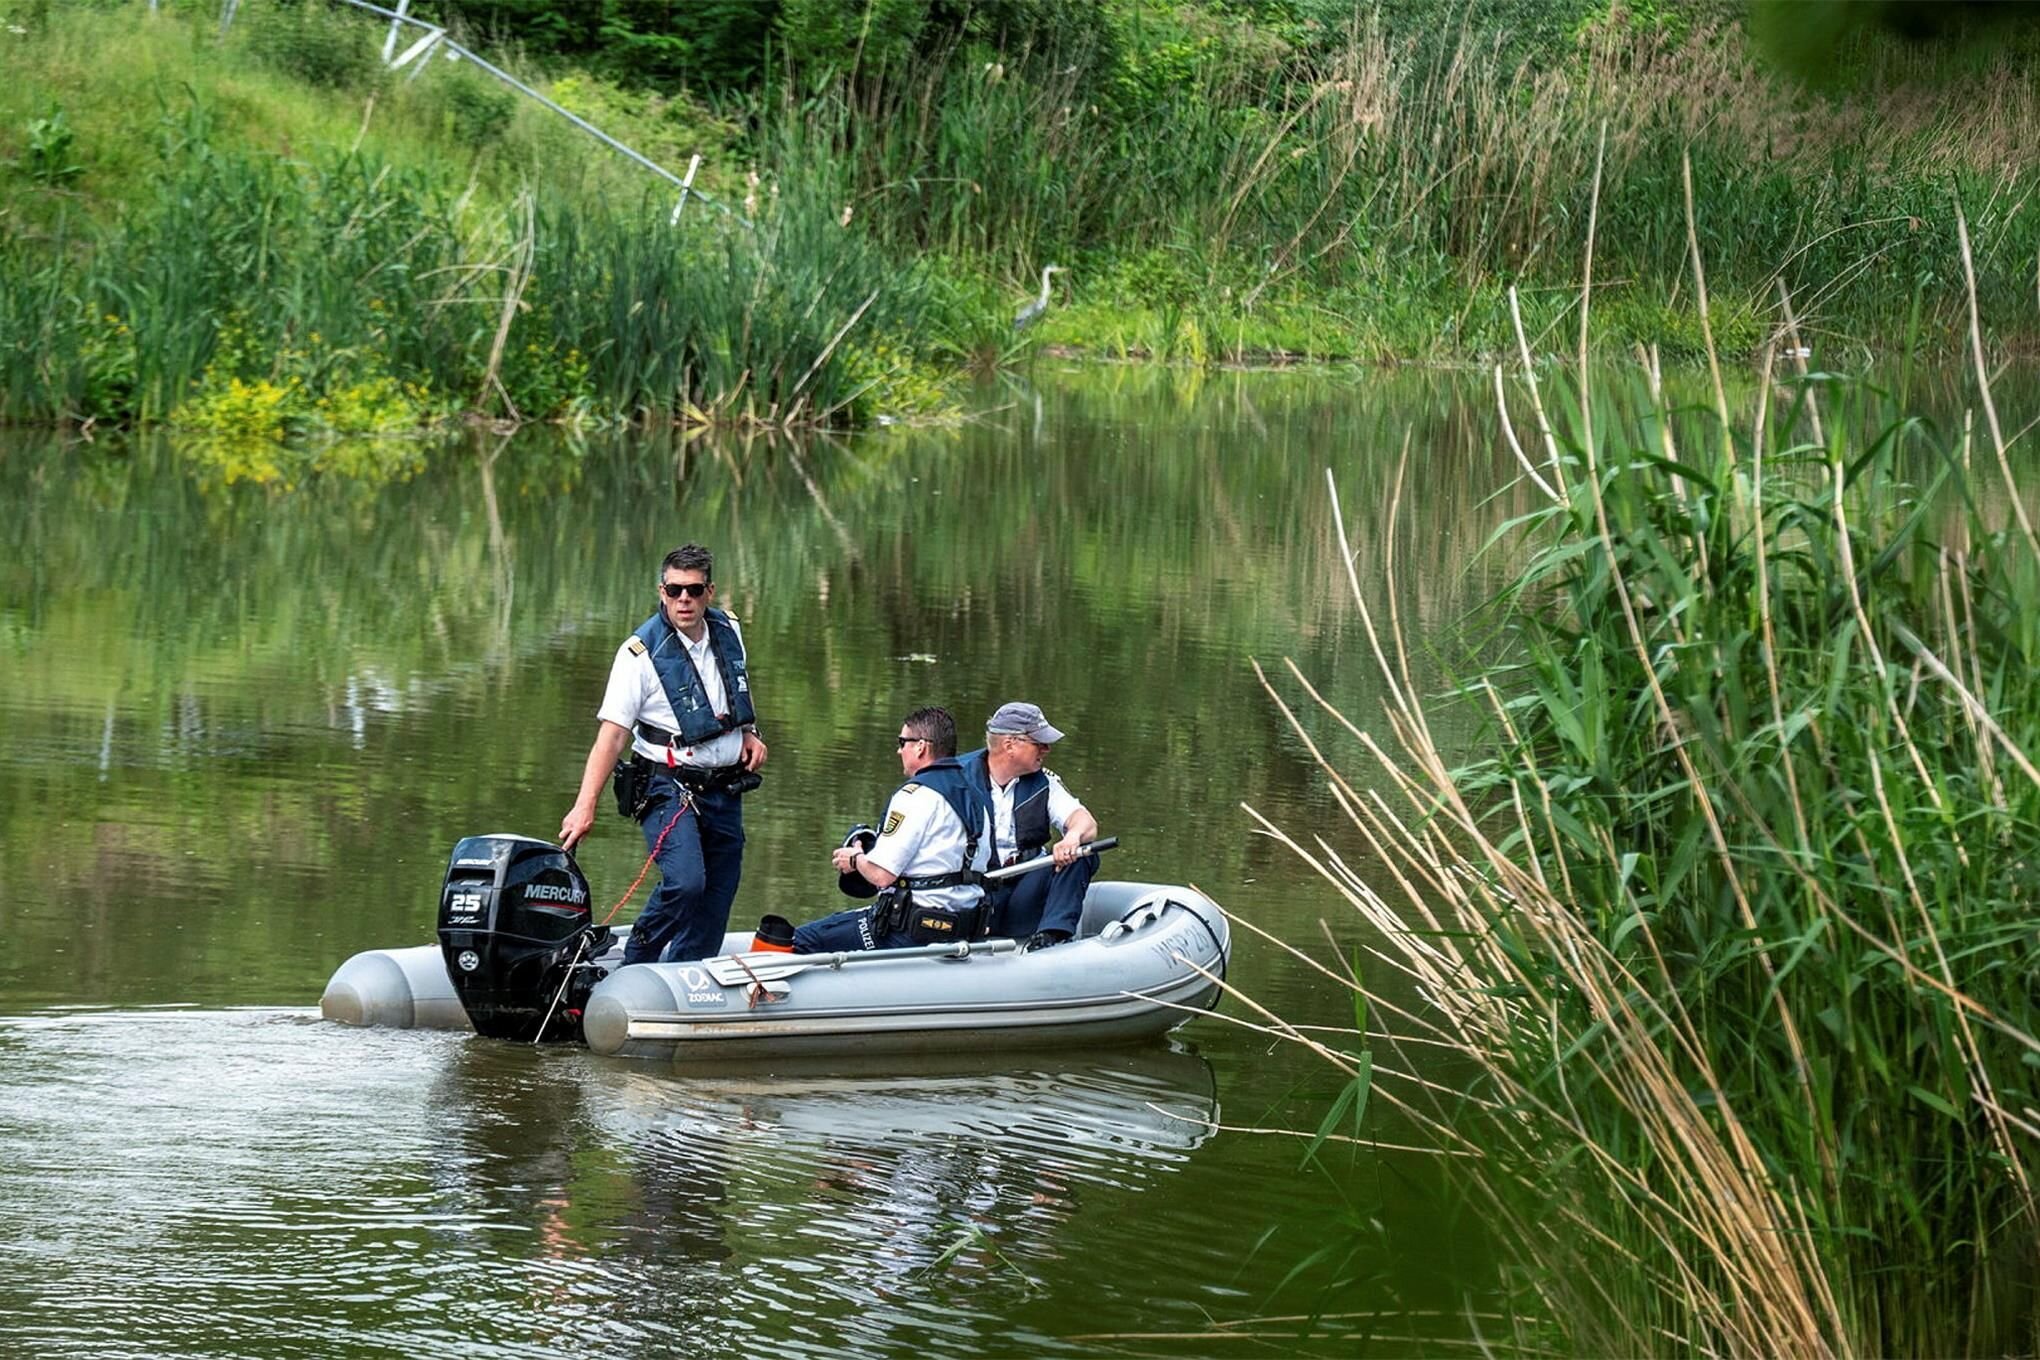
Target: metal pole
[226,16]
[454,49]
[396,26]
[685,186]
[417,49]
[425,58]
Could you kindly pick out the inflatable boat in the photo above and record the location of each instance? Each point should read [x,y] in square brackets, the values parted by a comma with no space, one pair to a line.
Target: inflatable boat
[519,958]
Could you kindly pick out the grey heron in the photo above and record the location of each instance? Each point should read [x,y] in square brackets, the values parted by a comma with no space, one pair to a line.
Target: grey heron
[1031,313]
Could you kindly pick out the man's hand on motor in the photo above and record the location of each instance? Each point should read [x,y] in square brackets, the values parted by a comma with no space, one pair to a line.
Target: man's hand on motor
[575,825]
[1066,851]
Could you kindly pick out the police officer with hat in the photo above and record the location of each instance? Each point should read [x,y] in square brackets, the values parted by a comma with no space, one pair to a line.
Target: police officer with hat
[1032,814]
[679,703]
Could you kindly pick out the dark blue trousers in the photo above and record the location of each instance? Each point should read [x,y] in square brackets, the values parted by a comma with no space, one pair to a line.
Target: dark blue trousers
[699,863]
[1047,899]
[846,931]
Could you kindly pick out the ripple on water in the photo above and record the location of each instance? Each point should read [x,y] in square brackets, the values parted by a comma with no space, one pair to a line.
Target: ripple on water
[194,1180]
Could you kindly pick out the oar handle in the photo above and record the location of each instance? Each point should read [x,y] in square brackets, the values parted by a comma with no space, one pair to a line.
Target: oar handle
[1028,866]
[732,970]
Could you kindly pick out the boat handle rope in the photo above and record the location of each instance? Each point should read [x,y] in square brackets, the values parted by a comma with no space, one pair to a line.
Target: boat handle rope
[1156,909]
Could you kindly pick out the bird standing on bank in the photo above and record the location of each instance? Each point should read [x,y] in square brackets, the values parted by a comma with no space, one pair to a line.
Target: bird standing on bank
[1033,310]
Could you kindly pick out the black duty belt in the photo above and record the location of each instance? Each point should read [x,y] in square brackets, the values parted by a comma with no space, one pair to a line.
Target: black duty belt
[961,879]
[659,736]
[703,778]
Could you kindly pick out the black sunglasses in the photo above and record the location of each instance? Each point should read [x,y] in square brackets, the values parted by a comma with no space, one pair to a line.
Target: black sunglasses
[904,740]
[675,589]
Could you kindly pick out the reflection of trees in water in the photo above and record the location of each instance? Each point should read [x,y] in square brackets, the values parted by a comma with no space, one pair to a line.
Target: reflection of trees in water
[303,683]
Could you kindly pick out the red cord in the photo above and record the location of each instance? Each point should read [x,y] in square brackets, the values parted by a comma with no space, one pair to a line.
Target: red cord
[657,846]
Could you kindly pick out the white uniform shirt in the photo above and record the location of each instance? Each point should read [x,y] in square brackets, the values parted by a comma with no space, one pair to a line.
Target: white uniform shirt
[635,695]
[921,834]
[1062,805]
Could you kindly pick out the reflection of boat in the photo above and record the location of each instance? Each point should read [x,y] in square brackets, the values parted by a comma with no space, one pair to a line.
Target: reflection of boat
[514,915]
[1151,1099]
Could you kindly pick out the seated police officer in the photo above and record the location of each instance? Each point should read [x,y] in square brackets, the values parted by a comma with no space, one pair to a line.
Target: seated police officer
[1032,813]
[927,855]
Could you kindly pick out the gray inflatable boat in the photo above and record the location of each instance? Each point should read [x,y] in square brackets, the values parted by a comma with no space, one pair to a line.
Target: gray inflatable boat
[1148,958]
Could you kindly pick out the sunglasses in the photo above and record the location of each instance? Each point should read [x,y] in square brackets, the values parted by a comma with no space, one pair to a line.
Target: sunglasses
[675,589]
[905,740]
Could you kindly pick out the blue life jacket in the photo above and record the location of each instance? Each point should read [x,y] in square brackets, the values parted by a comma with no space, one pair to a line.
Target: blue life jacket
[699,723]
[947,778]
[1030,805]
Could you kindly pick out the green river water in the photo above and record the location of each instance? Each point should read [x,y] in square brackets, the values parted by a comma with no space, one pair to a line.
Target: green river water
[244,721]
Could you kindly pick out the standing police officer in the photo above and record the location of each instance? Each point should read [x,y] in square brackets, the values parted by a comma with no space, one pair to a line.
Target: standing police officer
[928,854]
[1029,805]
[679,700]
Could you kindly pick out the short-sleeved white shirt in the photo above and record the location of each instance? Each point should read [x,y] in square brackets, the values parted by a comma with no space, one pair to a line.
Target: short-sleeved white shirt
[921,834]
[1062,805]
[635,695]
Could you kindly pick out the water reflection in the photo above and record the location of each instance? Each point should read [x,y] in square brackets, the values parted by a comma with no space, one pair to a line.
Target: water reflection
[177,1175]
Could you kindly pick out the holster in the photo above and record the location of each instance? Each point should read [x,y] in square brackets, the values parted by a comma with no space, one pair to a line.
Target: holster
[632,784]
[890,912]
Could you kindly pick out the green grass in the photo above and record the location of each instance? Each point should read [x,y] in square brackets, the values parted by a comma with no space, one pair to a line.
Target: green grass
[1374,176]
[1222,194]
[272,237]
[261,275]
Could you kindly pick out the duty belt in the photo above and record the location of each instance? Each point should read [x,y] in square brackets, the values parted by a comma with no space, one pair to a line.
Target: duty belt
[962,878]
[702,778]
[659,736]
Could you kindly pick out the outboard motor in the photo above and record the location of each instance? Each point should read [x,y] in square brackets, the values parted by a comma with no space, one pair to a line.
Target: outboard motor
[512,917]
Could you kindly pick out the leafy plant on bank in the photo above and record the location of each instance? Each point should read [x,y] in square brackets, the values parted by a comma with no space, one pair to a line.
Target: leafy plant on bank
[52,144]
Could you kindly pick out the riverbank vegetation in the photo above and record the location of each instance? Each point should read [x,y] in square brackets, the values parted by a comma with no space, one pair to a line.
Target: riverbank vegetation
[1730,909]
[1271,181]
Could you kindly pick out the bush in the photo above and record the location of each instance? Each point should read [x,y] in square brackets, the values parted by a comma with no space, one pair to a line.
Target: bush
[474,110]
[313,42]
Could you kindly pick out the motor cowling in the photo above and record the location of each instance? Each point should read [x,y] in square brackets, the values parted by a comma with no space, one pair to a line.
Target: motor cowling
[513,914]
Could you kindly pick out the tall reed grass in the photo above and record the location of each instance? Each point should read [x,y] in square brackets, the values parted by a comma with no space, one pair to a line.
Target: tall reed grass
[1379,176]
[1731,905]
[268,294]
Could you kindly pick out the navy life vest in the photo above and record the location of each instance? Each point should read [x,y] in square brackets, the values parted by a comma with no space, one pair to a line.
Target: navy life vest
[1030,804]
[699,723]
[947,778]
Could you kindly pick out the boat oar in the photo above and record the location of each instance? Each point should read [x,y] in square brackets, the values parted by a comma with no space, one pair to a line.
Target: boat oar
[735,970]
[1028,866]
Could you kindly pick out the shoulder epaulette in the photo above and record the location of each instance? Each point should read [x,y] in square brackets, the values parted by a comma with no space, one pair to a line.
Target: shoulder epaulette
[909,787]
[636,645]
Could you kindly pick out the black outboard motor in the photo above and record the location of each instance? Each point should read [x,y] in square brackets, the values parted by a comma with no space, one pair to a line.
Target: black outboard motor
[511,920]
